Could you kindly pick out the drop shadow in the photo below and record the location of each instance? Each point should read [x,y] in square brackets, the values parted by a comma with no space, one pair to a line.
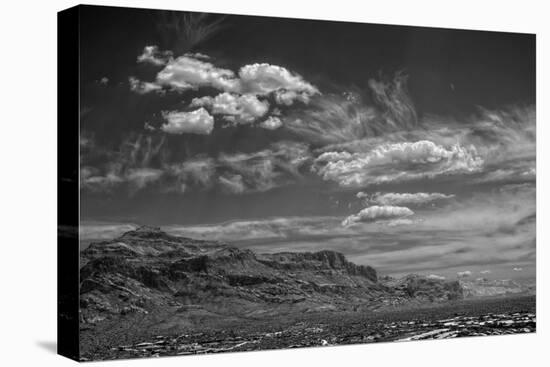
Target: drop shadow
[48,345]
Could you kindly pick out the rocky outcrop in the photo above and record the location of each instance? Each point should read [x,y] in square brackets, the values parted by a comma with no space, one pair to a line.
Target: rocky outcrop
[315,261]
[425,289]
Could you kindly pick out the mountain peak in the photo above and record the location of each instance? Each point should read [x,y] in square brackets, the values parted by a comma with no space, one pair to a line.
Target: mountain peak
[146,232]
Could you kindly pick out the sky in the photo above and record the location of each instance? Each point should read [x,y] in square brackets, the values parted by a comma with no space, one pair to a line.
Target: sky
[408,149]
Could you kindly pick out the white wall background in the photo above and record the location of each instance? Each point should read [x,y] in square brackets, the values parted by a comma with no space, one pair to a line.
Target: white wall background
[28,181]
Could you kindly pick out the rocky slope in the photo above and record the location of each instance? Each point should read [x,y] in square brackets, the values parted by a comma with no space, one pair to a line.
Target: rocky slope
[170,281]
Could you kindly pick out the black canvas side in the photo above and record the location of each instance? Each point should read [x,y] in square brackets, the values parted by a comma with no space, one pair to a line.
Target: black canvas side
[68,185]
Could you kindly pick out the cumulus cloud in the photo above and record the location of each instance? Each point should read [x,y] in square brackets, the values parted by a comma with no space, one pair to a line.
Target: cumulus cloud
[435,277]
[271,123]
[245,108]
[194,122]
[397,162]
[264,79]
[376,213]
[186,72]
[287,97]
[192,71]
[518,269]
[238,103]
[152,55]
[392,198]
[496,146]
[464,274]
[141,87]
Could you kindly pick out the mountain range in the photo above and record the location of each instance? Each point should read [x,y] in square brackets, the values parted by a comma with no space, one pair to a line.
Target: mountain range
[147,270]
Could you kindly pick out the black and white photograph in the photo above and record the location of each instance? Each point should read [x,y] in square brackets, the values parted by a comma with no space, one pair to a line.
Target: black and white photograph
[252,183]
[275,183]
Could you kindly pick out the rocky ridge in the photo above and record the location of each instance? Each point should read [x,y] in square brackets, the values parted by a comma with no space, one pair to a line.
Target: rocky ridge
[147,270]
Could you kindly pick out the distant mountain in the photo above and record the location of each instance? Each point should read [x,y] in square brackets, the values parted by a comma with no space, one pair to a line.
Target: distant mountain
[169,280]
[484,287]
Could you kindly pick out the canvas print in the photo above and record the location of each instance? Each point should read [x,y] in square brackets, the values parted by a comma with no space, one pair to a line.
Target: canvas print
[252,183]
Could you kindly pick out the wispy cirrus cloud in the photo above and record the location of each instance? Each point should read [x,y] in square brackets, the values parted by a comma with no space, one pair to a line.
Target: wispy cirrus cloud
[232,183]
[136,179]
[494,146]
[394,99]
[393,198]
[142,164]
